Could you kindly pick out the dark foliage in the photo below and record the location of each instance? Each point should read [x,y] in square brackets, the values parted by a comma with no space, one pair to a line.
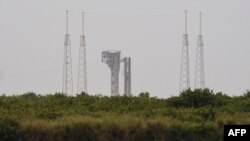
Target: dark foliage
[193,115]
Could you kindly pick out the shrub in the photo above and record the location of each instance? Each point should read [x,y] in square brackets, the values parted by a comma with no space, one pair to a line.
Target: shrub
[9,130]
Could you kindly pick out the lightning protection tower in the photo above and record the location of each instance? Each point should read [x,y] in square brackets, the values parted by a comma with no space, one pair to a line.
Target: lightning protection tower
[127,75]
[82,65]
[184,73]
[199,68]
[112,59]
[67,63]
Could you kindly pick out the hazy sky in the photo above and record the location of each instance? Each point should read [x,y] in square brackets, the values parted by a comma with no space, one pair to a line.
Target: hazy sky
[149,31]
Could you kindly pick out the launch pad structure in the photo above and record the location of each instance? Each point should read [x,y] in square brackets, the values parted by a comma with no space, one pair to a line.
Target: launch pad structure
[113,60]
[127,76]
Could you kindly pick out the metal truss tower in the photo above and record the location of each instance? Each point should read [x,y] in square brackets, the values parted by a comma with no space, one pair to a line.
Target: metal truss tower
[127,75]
[184,73]
[82,65]
[112,59]
[67,63]
[199,68]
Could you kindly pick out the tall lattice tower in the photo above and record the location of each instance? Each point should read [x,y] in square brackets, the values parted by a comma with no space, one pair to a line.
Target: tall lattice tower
[67,63]
[199,68]
[82,65]
[184,73]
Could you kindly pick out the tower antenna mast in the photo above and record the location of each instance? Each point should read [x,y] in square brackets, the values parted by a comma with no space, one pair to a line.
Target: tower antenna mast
[199,68]
[82,64]
[184,73]
[67,87]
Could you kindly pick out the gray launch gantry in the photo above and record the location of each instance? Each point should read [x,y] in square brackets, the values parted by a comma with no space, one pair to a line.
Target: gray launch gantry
[112,59]
[127,75]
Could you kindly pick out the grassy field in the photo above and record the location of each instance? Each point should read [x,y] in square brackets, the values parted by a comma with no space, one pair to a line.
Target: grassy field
[195,115]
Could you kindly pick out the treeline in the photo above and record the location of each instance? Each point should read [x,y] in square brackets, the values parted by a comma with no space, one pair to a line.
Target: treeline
[193,115]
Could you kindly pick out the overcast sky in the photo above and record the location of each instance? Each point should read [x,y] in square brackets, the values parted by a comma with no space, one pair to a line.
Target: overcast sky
[148,31]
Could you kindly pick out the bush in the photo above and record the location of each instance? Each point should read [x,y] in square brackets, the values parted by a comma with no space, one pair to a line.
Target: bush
[51,114]
[9,130]
[196,98]
[207,113]
[81,131]
[193,115]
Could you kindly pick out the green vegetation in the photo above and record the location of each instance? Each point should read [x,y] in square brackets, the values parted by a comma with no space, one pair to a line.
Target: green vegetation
[195,115]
